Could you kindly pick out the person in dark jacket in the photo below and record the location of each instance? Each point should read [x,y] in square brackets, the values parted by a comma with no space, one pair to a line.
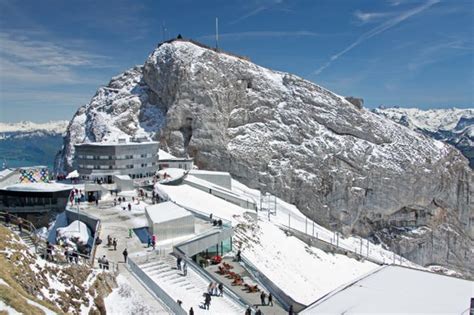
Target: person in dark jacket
[270,299]
[248,311]
[290,311]
[262,297]
[258,311]
[191,311]
[125,255]
[221,289]
[207,301]
[20,224]
[7,219]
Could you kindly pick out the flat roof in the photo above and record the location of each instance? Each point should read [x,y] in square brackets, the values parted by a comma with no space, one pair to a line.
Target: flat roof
[113,144]
[38,187]
[166,211]
[6,172]
[206,172]
[123,177]
[401,290]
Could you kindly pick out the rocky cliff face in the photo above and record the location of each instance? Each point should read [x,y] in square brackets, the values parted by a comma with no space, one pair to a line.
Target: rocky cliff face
[342,165]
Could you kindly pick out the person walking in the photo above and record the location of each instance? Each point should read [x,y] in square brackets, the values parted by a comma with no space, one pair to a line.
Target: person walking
[106,263]
[290,311]
[207,301]
[20,224]
[262,297]
[221,289]
[125,254]
[258,311]
[100,262]
[248,311]
[129,233]
[185,268]
[270,299]
[114,243]
[7,219]
[178,263]
[129,206]
[153,241]
[191,311]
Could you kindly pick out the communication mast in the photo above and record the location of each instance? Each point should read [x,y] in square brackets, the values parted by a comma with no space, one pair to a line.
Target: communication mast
[217,33]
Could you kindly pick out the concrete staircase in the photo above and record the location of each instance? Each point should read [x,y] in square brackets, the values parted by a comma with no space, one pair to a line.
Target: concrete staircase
[189,289]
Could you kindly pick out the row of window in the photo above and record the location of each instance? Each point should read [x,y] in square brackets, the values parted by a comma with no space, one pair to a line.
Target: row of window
[115,167]
[115,157]
[133,176]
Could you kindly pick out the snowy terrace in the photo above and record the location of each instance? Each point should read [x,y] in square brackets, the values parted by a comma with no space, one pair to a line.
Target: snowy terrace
[270,250]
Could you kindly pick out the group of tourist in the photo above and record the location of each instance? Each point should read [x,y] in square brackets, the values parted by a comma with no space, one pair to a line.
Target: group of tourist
[111,242]
[103,263]
[76,197]
[152,241]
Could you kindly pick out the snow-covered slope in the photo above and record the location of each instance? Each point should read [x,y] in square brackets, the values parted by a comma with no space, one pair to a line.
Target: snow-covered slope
[340,164]
[454,126]
[30,284]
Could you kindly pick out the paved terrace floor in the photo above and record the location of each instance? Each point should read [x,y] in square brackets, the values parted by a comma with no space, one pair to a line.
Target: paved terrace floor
[115,225]
[249,298]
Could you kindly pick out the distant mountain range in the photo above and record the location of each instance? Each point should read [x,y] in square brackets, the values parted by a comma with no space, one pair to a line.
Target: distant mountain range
[454,126]
[26,143]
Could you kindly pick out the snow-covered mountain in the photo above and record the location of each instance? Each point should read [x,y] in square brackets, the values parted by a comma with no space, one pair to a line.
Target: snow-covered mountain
[27,143]
[340,164]
[454,126]
[53,127]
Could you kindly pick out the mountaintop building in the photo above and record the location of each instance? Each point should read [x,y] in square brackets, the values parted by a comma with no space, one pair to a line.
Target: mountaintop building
[101,161]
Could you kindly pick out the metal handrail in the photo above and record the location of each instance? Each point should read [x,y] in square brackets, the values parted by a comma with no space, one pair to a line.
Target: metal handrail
[154,287]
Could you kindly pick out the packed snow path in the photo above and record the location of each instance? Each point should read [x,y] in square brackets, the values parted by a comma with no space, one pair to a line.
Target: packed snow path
[189,289]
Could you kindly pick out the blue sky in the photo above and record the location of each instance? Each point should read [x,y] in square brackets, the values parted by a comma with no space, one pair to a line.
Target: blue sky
[411,53]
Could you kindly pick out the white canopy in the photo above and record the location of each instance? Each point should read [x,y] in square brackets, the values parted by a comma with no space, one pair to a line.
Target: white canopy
[73,174]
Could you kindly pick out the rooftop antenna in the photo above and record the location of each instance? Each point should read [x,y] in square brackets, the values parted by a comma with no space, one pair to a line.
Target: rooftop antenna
[163,30]
[217,33]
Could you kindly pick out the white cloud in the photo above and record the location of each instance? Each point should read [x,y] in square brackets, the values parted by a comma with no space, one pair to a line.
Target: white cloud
[367,17]
[28,60]
[378,30]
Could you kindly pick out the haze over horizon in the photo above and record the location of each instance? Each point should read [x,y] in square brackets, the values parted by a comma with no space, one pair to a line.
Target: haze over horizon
[409,53]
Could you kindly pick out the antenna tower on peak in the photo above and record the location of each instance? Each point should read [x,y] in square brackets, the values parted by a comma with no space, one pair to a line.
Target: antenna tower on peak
[217,33]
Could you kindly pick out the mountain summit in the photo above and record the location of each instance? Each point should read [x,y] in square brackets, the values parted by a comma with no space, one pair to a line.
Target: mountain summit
[341,164]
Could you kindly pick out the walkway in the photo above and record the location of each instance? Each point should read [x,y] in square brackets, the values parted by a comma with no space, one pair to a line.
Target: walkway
[189,289]
[116,224]
[250,298]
